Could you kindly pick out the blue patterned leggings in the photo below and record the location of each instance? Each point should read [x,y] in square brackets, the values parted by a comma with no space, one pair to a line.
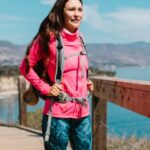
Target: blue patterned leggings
[78,131]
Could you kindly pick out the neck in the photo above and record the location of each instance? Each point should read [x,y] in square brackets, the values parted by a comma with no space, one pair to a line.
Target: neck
[70,31]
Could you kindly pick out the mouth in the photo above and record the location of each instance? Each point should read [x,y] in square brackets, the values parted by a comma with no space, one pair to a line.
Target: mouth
[75,21]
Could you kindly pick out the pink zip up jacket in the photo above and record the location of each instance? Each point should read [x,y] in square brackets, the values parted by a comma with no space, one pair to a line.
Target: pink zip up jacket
[74,77]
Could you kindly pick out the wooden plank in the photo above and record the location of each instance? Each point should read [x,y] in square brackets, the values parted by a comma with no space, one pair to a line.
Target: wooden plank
[133,84]
[22,105]
[99,113]
[130,95]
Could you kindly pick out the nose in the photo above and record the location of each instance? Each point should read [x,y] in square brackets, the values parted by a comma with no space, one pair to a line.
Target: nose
[77,12]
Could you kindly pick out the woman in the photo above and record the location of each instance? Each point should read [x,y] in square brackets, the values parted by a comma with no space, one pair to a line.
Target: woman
[70,119]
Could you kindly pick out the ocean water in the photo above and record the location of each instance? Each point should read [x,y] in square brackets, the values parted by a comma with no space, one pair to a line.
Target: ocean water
[9,109]
[123,122]
[120,121]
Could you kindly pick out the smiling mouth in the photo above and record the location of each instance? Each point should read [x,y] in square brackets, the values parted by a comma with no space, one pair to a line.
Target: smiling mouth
[75,21]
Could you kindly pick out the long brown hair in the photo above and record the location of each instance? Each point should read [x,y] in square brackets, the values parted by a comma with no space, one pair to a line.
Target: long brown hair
[54,23]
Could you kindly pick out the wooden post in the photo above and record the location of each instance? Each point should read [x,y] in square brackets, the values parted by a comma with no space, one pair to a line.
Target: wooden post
[22,106]
[99,113]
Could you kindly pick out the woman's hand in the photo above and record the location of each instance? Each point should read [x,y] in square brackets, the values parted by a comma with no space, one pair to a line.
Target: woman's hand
[90,85]
[55,89]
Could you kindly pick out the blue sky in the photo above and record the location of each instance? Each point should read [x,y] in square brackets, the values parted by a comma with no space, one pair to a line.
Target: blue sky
[113,21]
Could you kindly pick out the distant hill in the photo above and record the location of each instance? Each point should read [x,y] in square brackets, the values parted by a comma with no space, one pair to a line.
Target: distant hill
[103,56]
[110,56]
[10,54]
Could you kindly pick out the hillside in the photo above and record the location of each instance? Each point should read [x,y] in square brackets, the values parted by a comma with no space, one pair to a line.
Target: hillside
[10,54]
[106,56]
[110,56]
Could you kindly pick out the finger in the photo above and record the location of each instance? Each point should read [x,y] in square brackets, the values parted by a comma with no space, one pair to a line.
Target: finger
[59,86]
[91,87]
[56,90]
[89,82]
[55,93]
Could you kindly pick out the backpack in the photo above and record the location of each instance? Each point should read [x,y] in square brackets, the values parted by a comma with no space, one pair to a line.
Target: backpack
[32,95]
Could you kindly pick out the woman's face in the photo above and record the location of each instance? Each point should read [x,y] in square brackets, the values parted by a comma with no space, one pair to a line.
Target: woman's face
[73,13]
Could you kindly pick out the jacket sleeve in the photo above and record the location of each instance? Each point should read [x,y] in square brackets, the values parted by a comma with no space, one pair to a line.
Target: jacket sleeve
[33,57]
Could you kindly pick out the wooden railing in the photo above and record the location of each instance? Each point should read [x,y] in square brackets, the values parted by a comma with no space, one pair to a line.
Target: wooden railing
[133,95]
[22,106]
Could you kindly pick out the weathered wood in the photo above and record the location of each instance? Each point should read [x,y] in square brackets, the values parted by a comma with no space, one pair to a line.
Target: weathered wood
[99,113]
[22,106]
[133,95]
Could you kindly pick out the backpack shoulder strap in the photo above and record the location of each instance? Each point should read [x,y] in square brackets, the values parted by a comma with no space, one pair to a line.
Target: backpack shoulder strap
[60,59]
[82,41]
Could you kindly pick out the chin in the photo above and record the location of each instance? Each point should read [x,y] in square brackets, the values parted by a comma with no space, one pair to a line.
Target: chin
[75,26]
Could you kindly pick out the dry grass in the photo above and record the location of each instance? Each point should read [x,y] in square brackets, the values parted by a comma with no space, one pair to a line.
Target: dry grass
[34,119]
[132,143]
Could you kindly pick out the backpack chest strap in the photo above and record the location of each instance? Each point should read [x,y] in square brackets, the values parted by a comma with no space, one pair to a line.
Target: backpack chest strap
[64,97]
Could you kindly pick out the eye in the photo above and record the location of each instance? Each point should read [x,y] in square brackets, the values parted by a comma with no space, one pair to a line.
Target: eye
[72,9]
[80,9]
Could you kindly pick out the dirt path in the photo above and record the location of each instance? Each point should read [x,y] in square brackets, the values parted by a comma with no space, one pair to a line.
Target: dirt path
[12,138]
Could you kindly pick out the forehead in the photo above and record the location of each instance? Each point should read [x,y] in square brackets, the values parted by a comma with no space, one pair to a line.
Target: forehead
[73,3]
